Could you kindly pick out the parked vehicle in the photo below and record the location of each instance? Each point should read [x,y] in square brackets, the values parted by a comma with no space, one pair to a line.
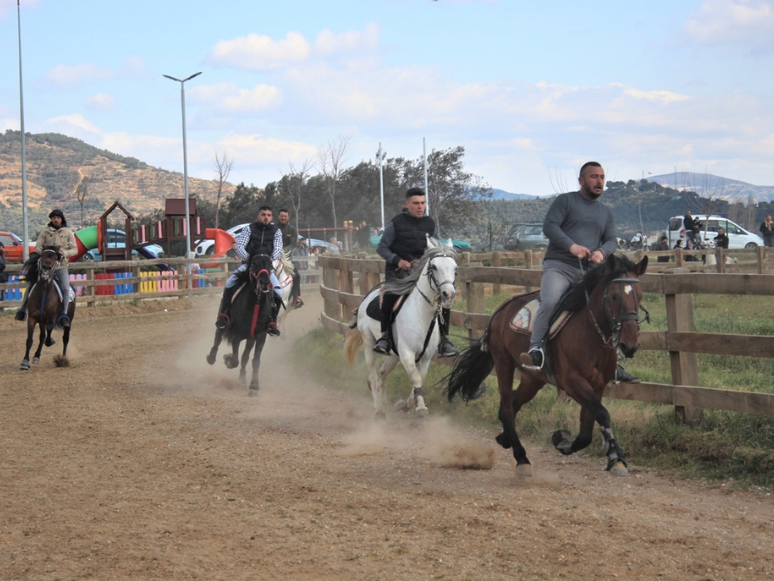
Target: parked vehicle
[117,239]
[14,248]
[459,245]
[738,237]
[320,246]
[526,237]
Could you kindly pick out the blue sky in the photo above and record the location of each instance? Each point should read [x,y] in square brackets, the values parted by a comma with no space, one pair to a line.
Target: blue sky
[530,89]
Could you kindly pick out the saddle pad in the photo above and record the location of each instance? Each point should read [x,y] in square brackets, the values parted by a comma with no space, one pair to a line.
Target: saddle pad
[522,322]
[374,308]
[70,291]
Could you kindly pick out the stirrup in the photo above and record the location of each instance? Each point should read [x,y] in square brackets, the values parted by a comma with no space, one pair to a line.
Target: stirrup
[383,346]
[298,303]
[534,359]
[223,321]
[64,321]
[447,349]
[273,329]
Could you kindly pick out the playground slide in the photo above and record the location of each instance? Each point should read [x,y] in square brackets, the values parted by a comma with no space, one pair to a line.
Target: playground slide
[86,239]
[223,240]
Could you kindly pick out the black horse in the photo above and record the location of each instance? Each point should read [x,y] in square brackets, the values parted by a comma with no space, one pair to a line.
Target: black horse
[250,315]
[44,304]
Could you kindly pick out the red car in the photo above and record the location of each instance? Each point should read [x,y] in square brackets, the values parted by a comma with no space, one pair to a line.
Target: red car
[14,249]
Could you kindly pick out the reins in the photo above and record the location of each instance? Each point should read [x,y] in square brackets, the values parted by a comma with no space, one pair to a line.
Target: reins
[438,316]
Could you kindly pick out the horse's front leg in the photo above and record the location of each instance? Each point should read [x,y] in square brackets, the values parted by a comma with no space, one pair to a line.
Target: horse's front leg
[249,342]
[416,373]
[214,351]
[259,343]
[25,364]
[44,337]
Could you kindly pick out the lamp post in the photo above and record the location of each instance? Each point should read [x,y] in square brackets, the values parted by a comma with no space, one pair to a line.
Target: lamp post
[380,155]
[185,166]
[25,218]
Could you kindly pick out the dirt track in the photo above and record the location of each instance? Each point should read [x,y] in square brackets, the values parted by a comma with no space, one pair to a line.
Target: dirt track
[149,464]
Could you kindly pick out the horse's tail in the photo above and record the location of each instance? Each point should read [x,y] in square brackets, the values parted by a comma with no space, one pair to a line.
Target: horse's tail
[470,371]
[353,343]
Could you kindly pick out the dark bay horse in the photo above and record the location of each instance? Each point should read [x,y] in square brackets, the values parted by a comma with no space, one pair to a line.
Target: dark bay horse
[250,315]
[44,304]
[605,306]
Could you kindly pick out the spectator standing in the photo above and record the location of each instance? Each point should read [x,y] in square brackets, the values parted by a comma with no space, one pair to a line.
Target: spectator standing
[661,246]
[364,237]
[721,240]
[767,231]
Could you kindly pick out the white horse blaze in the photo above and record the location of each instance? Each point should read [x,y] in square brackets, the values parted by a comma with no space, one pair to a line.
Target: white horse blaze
[628,289]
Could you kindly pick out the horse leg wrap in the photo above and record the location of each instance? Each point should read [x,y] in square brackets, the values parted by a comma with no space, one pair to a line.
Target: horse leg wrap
[613,451]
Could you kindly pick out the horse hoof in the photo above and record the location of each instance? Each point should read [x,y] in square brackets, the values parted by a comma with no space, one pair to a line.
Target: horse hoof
[562,441]
[422,412]
[50,342]
[35,360]
[380,415]
[211,359]
[401,406]
[252,392]
[523,470]
[503,440]
[25,365]
[619,469]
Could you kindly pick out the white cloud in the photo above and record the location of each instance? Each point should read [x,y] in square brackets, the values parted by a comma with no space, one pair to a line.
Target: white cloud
[8,7]
[329,43]
[259,52]
[101,102]
[230,98]
[74,124]
[749,23]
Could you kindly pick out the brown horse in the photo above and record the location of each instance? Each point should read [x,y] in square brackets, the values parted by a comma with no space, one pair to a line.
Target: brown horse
[581,358]
[44,304]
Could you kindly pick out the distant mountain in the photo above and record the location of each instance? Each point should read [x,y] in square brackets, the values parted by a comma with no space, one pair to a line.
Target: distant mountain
[503,195]
[709,185]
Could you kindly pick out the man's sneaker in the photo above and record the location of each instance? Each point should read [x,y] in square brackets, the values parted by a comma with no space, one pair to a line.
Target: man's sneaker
[622,376]
[20,315]
[383,346]
[298,303]
[446,349]
[533,359]
[274,329]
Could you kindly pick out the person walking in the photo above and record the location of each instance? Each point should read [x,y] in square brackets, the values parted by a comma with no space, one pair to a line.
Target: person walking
[403,243]
[261,237]
[767,231]
[578,227]
[56,233]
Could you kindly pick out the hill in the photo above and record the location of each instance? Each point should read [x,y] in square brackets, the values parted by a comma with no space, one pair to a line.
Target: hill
[503,195]
[57,166]
[716,186]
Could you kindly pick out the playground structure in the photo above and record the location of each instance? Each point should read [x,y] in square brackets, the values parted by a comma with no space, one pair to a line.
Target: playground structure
[170,233]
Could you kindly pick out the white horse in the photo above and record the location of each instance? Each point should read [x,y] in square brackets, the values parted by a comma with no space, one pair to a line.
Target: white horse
[283,268]
[429,288]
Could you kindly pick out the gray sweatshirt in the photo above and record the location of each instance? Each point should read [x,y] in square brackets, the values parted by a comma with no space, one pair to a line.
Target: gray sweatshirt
[573,219]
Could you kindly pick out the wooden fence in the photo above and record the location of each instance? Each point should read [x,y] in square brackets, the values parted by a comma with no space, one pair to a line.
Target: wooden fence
[343,275]
[121,280]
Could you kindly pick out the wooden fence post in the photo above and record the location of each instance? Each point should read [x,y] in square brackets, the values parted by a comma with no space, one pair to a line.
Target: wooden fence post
[685,366]
[528,264]
[759,255]
[476,298]
[331,280]
[496,287]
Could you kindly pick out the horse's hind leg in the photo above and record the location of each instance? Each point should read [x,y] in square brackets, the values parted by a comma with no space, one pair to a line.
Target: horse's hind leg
[45,337]
[214,351]
[49,339]
[249,342]
[25,364]
[259,343]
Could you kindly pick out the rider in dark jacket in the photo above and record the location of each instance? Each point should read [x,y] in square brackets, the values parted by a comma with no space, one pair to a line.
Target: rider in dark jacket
[403,243]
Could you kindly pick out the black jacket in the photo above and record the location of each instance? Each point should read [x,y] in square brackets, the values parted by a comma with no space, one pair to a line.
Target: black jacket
[261,239]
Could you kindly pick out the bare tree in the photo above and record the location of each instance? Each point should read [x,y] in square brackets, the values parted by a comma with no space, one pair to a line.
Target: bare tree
[80,194]
[331,158]
[294,182]
[222,164]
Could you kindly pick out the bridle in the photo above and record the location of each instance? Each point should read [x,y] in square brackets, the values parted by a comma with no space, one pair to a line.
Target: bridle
[617,320]
[46,273]
[433,283]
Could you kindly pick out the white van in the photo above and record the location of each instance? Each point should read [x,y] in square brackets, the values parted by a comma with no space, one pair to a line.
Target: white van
[738,237]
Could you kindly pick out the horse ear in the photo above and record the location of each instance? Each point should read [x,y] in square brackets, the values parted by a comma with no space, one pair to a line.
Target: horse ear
[612,262]
[432,242]
[642,265]
[448,244]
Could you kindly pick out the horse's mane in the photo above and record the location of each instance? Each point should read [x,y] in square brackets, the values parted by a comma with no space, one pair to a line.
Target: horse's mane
[404,286]
[575,298]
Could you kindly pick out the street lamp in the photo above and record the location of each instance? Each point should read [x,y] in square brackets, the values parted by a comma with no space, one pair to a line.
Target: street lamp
[185,165]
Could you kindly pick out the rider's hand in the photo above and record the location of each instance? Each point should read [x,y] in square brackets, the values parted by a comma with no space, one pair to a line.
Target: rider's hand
[579,251]
[60,256]
[597,257]
[404,264]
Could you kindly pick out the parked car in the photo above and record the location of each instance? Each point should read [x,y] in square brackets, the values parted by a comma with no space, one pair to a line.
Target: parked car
[738,237]
[117,239]
[14,248]
[526,237]
[321,246]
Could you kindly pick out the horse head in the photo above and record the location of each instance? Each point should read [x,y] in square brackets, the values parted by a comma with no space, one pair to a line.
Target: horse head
[441,271]
[48,263]
[622,302]
[260,273]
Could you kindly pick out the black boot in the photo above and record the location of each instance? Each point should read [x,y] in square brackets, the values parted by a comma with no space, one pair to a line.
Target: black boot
[21,314]
[225,307]
[623,376]
[384,345]
[445,347]
[275,307]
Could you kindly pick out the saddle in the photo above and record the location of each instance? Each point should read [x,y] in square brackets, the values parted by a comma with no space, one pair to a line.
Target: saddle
[524,318]
[70,291]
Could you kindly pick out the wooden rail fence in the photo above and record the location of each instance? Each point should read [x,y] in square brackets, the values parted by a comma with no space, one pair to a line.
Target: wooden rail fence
[347,279]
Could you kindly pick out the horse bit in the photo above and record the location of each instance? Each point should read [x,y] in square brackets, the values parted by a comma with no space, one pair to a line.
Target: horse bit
[617,321]
[434,284]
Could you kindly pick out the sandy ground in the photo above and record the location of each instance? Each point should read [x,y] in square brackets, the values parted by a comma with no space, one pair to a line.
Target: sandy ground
[140,461]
